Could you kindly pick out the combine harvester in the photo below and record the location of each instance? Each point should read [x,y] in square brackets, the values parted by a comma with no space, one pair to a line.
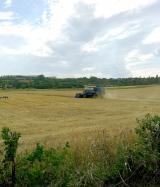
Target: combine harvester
[91,92]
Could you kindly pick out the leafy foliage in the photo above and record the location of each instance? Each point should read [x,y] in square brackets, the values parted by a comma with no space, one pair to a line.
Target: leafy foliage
[149,132]
[42,82]
[43,167]
[132,164]
[10,140]
[8,169]
[141,161]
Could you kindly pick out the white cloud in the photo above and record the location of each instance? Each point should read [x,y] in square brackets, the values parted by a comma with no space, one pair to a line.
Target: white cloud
[88,69]
[37,36]
[89,47]
[7,3]
[35,39]
[61,10]
[142,64]
[6,15]
[113,34]
[53,23]
[157,51]
[146,72]
[57,15]
[136,56]
[153,37]
[108,8]
[80,38]
[145,57]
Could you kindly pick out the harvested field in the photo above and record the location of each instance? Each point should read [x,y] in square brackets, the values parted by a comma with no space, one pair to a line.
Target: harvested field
[51,116]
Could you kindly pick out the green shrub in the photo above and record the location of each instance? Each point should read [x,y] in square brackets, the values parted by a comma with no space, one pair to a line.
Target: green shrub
[44,167]
[8,165]
[149,132]
[132,164]
[140,162]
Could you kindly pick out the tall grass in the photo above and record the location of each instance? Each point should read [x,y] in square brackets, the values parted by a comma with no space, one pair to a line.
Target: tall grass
[131,159]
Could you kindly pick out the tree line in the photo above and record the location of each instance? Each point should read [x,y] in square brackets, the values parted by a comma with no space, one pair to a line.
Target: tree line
[42,82]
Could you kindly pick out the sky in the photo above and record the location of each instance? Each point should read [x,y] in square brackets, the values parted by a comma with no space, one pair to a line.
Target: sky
[80,38]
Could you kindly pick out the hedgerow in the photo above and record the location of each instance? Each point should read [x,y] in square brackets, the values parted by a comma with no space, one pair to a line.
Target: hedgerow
[132,164]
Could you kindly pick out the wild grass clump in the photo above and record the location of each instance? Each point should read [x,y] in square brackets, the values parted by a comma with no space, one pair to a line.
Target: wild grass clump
[129,163]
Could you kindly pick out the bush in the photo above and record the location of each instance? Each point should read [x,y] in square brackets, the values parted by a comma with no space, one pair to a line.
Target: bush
[139,163]
[8,165]
[44,167]
[132,164]
[149,133]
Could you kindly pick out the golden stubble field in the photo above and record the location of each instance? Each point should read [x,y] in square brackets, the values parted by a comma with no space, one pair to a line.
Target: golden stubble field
[51,116]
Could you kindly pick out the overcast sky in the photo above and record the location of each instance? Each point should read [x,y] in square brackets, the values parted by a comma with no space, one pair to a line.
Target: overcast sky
[77,38]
